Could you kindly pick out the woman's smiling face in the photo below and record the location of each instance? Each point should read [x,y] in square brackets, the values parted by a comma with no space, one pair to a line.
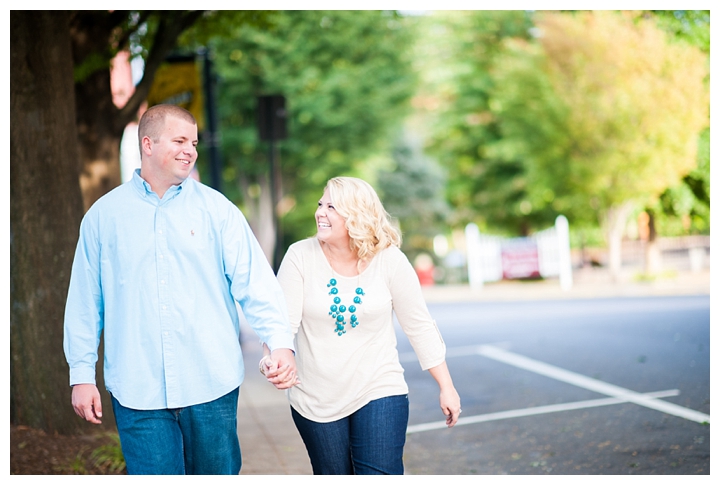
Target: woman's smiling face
[330,225]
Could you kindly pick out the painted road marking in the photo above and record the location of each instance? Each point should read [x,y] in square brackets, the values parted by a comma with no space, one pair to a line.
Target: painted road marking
[617,394]
[520,413]
[590,384]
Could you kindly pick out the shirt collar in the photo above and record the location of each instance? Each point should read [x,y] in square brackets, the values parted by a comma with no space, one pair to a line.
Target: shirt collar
[143,187]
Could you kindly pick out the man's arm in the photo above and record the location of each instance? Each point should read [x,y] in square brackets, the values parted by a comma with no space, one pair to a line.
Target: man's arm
[83,325]
[254,286]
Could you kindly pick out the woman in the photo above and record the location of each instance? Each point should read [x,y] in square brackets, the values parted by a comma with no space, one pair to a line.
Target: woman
[341,287]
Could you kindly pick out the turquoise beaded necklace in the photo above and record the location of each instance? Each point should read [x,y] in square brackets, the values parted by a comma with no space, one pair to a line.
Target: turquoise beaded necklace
[338,310]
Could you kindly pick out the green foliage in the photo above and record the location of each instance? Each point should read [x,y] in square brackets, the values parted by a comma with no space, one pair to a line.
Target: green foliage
[92,63]
[102,34]
[532,127]
[218,24]
[567,113]
[586,236]
[110,456]
[685,208]
[75,466]
[691,27]
[602,111]
[460,51]
[347,79]
[412,191]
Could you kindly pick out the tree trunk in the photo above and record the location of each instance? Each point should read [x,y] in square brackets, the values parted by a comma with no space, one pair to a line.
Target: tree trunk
[45,213]
[614,225]
[653,261]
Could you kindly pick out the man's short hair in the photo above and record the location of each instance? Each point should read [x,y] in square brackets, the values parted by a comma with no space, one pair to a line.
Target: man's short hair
[153,120]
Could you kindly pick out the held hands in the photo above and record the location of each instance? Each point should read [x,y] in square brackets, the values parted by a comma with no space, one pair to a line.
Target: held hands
[86,402]
[279,368]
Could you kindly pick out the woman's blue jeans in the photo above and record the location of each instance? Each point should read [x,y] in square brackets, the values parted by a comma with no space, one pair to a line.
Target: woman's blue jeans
[368,442]
[194,440]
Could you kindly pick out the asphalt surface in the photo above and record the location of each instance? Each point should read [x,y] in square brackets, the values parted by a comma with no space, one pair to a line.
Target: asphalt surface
[600,386]
[272,446]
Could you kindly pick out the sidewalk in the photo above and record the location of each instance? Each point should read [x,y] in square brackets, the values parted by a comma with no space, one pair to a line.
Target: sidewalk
[272,446]
[269,442]
[587,283]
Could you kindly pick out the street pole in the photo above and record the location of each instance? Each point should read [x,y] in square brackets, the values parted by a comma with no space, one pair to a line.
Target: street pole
[213,134]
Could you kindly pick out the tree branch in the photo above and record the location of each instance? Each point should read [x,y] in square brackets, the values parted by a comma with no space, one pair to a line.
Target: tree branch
[170,27]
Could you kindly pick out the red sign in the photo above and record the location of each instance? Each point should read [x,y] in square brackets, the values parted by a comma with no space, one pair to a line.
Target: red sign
[520,259]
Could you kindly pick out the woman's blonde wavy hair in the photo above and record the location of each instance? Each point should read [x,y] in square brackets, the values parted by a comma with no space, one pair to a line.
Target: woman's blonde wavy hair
[366,220]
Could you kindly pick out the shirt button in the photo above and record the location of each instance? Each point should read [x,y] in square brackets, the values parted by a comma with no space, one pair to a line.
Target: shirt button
[162,282]
[161,256]
[160,231]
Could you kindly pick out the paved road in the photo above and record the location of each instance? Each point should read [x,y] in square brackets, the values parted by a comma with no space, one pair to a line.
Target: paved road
[519,347]
[603,386]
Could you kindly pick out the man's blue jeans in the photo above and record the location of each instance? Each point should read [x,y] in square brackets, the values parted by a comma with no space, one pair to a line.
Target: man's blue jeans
[368,442]
[195,440]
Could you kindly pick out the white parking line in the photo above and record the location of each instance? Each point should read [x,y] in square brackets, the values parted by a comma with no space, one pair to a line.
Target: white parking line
[519,413]
[617,394]
[585,382]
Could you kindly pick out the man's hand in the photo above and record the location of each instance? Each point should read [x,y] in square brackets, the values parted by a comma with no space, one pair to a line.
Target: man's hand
[282,373]
[86,402]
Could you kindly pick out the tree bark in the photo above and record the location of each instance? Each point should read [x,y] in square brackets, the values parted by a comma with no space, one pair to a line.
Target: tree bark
[45,213]
[653,261]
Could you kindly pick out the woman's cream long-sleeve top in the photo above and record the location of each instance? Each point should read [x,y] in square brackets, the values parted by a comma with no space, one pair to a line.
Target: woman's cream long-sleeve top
[340,374]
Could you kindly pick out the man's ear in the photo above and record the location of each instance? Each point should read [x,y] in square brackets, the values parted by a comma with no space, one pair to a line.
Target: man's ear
[147,145]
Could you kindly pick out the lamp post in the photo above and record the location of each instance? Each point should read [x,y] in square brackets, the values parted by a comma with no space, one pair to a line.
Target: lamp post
[213,138]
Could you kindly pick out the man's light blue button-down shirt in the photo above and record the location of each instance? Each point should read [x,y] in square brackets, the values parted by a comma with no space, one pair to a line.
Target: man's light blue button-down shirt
[160,278]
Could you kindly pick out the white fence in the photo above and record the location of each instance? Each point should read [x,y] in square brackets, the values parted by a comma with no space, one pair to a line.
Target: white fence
[545,254]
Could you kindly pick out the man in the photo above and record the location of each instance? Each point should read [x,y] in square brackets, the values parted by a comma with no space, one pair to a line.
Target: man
[159,265]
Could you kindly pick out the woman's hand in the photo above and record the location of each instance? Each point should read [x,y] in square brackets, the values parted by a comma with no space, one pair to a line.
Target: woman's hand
[279,369]
[450,405]
[449,398]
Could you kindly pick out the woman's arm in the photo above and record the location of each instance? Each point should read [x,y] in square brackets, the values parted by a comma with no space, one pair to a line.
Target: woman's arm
[449,398]
[420,328]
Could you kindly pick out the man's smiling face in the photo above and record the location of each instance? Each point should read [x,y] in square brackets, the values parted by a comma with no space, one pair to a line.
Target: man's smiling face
[176,150]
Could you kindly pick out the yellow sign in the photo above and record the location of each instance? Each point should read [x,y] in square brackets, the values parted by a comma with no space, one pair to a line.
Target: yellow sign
[179,83]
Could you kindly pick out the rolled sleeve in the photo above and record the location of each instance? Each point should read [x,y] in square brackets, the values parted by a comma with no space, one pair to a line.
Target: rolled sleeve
[413,315]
